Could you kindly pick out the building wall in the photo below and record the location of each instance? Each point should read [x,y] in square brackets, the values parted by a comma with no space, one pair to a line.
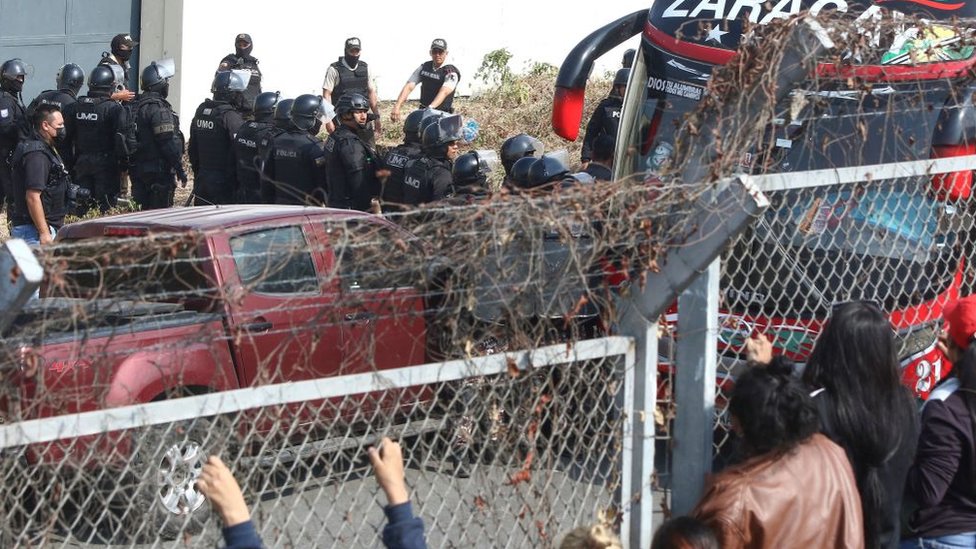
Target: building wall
[295,40]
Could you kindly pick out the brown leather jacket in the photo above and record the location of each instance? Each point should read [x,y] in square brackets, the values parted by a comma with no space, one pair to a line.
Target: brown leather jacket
[805,498]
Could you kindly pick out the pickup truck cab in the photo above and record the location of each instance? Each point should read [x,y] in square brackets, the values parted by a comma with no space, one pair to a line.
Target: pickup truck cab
[152,305]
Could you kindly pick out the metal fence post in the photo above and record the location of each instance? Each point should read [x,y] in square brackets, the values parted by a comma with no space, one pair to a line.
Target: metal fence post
[637,459]
[695,369]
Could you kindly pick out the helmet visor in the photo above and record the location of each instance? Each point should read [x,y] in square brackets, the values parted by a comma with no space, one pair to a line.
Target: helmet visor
[239,80]
[166,68]
[488,160]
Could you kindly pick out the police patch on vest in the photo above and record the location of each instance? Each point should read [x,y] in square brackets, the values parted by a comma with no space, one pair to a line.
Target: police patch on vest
[397,160]
[4,113]
[207,111]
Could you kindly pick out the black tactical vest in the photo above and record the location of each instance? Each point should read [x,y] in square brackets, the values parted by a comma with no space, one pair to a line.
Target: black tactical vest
[250,64]
[396,161]
[146,108]
[58,98]
[246,145]
[53,197]
[94,125]
[211,136]
[420,181]
[298,159]
[356,81]
[431,81]
[11,103]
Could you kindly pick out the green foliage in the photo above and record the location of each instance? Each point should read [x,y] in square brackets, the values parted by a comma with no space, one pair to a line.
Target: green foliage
[494,69]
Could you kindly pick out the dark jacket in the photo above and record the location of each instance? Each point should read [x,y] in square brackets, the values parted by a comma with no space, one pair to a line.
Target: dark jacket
[605,120]
[942,480]
[242,536]
[351,164]
[403,530]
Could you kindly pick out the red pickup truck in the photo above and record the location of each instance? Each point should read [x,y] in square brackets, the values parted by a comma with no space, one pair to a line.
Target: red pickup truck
[152,305]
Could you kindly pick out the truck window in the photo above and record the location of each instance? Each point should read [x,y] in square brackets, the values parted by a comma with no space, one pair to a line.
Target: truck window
[157,268]
[370,256]
[275,261]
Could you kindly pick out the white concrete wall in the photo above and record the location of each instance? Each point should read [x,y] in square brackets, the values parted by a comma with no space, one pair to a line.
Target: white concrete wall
[295,40]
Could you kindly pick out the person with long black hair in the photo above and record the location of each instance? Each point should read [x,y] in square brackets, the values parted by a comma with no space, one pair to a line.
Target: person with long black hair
[853,375]
[941,486]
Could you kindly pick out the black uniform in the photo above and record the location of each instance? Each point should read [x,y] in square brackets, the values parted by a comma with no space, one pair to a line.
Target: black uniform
[58,98]
[159,154]
[351,165]
[431,80]
[605,120]
[99,136]
[37,166]
[296,171]
[13,128]
[109,59]
[351,81]
[211,152]
[248,63]
[427,180]
[396,161]
[246,151]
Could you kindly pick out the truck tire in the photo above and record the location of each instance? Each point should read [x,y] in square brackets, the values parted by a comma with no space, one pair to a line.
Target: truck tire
[168,460]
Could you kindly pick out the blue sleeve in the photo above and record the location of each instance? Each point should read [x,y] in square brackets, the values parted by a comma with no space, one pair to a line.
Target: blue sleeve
[242,536]
[403,530]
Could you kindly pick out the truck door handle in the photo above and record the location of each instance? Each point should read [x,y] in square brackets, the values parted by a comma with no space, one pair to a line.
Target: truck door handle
[360,317]
[260,326]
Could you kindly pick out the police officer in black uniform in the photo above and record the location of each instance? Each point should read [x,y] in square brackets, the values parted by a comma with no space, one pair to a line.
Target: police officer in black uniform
[40,180]
[100,138]
[397,158]
[295,174]
[429,178]
[158,159]
[606,117]
[211,147]
[246,144]
[355,170]
[122,45]
[438,82]
[70,80]
[279,125]
[470,178]
[242,59]
[14,125]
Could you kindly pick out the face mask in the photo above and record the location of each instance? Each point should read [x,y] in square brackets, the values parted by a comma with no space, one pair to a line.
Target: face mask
[123,55]
[15,86]
[316,127]
[351,60]
[60,133]
[163,90]
[244,52]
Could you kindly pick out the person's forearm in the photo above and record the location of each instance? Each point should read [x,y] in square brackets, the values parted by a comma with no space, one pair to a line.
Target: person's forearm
[327,94]
[441,96]
[36,211]
[404,94]
[374,104]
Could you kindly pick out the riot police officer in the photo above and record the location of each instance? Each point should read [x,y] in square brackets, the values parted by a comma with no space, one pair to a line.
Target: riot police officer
[470,177]
[40,180]
[279,125]
[242,59]
[211,147]
[69,81]
[429,178]
[295,173]
[246,145]
[518,178]
[606,117]
[516,147]
[100,138]
[353,166]
[158,159]
[13,121]
[397,158]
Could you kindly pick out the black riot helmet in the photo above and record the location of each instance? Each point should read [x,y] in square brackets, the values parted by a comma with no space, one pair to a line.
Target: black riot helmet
[411,126]
[519,176]
[229,85]
[546,170]
[71,77]
[467,169]
[350,102]
[282,113]
[439,135]
[306,111]
[155,77]
[516,147]
[620,79]
[628,61]
[12,75]
[102,80]
[264,105]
